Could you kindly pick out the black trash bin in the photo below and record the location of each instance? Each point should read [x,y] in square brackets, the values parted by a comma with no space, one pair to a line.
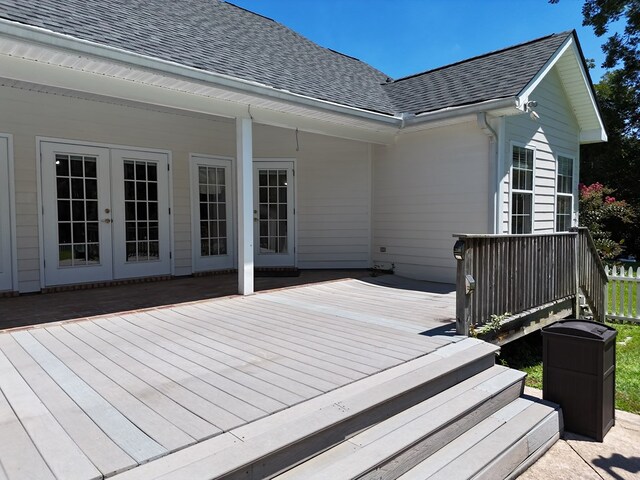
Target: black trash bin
[579,365]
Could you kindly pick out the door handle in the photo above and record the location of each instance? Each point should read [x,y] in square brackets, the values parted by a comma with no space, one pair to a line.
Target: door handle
[107,220]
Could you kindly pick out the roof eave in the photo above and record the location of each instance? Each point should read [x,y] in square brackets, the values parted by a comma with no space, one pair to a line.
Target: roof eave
[47,37]
[506,106]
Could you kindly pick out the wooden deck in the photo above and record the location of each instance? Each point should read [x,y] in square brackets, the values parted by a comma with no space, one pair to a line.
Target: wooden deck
[92,398]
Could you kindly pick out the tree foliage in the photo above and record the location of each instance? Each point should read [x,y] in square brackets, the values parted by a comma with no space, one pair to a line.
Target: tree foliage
[621,49]
[602,213]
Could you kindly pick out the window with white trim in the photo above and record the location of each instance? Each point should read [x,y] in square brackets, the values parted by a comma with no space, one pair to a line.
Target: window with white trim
[564,194]
[522,190]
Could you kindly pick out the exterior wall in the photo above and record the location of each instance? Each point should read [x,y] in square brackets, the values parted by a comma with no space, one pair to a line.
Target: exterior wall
[555,133]
[428,186]
[333,195]
[333,181]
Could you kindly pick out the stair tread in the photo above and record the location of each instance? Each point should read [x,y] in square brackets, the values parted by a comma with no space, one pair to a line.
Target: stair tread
[480,455]
[457,448]
[365,451]
[259,439]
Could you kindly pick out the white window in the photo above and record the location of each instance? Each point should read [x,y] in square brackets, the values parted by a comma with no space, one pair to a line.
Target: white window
[564,194]
[522,190]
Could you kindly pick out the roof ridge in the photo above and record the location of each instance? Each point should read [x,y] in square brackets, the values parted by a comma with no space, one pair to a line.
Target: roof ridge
[249,11]
[483,55]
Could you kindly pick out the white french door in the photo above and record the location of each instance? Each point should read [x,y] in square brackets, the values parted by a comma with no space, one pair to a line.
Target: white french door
[211,213]
[274,239]
[6,267]
[141,229]
[105,213]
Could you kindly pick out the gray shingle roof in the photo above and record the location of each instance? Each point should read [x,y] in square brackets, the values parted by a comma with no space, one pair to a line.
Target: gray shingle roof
[214,36]
[218,37]
[499,74]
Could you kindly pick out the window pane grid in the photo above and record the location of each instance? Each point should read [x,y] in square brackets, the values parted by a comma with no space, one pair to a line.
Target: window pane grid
[564,200]
[272,196]
[77,209]
[522,194]
[141,211]
[212,185]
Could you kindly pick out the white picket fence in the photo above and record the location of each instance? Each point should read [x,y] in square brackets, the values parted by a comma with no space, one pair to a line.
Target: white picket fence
[623,283]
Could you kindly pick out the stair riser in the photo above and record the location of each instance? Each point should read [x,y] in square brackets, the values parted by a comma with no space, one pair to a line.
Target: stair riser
[406,460]
[283,460]
[524,448]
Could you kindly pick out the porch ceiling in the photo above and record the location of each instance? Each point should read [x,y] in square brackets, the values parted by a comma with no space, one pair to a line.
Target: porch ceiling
[99,396]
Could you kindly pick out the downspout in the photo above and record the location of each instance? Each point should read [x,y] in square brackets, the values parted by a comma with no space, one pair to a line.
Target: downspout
[494,170]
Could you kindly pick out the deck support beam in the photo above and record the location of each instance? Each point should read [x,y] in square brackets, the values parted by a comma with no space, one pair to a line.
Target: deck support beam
[244,174]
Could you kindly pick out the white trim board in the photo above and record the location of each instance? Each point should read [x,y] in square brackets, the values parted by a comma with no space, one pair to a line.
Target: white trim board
[12,248]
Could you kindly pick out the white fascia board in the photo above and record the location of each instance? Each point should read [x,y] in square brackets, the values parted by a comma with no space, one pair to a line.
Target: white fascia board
[69,43]
[597,135]
[569,43]
[523,96]
[505,106]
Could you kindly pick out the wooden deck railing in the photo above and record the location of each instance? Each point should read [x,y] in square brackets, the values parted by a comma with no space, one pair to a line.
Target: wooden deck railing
[592,277]
[500,274]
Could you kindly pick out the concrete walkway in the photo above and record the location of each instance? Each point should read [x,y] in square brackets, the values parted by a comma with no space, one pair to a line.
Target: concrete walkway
[578,457]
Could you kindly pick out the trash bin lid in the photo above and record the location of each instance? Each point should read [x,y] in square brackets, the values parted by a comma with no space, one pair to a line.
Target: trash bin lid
[581,328]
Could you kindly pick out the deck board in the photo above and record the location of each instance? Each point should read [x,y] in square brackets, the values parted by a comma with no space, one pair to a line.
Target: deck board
[202,351]
[129,436]
[158,374]
[98,396]
[63,456]
[344,353]
[281,320]
[184,358]
[115,383]
[19,458]
[106,455]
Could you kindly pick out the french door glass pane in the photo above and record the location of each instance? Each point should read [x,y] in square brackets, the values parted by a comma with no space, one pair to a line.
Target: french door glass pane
[213,211]
[141,211]
[272,205]
[77,212]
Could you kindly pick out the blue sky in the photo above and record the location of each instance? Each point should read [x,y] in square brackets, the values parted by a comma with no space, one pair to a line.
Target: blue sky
[403,37]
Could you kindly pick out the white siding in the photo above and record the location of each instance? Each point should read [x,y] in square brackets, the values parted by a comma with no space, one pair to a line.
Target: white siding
[428,186]
[555,133]
[333,179]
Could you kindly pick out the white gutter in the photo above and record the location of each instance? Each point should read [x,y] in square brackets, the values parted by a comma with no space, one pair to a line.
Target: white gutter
[49,38]
[493,167]
[500,103]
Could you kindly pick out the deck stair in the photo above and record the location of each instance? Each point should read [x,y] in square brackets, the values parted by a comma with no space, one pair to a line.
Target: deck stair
[449,414]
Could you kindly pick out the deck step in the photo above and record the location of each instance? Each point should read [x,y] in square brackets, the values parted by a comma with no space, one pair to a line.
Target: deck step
[396,445]
[272,445]
[500,447]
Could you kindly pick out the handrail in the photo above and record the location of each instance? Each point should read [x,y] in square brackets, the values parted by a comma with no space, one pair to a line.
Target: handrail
[499,274]
[592,275]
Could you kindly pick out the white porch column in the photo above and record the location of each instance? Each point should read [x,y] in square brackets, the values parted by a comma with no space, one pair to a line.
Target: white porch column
[244,174]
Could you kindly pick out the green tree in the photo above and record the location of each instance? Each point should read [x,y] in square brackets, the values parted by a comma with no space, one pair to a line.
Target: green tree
[602,213]
[617,162]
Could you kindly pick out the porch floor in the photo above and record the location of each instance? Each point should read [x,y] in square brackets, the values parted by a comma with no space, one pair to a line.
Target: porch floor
[90,398]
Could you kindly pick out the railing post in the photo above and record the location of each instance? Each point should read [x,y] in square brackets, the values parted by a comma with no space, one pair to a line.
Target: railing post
[576,260]
[462,296]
